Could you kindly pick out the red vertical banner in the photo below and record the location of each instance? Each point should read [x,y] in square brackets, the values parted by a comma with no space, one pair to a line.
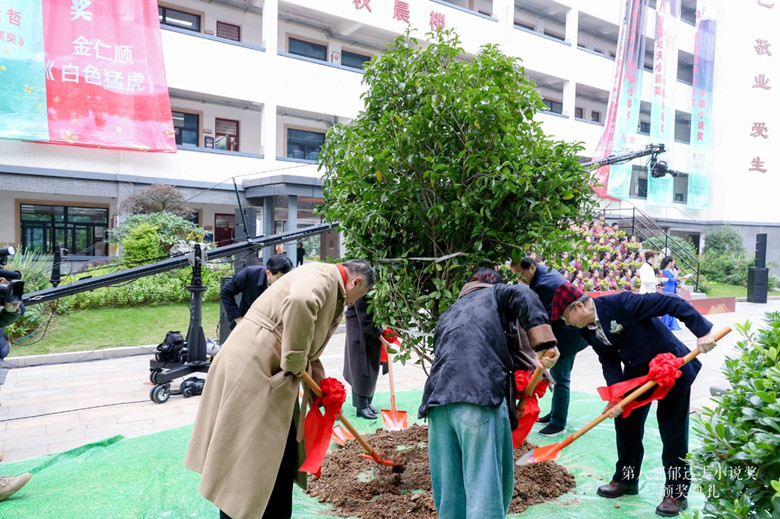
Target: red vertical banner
[105,76]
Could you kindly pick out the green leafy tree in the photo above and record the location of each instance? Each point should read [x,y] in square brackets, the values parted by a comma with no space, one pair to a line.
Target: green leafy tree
[156,198]
[445,169]
[738,463]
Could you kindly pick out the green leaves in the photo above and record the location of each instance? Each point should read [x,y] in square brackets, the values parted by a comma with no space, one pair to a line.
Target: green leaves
[739,461]
[466,174]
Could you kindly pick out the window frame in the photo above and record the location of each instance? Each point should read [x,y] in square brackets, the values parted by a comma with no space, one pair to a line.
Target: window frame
[196,113]
[304,39]
[237,136]
[343,50]
[237,27]
[66,226]
[200,14]
[288,127]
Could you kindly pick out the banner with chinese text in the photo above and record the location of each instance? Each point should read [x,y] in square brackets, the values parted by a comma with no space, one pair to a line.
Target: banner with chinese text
[660,191]
[97,68]
[623,109]
[22,80]
[701,110]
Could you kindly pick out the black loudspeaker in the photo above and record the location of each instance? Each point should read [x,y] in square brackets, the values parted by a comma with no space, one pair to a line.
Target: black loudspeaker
[758,281]
[760,251]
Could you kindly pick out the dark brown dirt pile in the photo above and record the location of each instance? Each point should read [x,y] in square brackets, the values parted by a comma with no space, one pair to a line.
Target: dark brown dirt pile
[358,487]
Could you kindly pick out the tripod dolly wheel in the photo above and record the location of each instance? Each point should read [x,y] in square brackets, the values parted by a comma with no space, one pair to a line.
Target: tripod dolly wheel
[160,393]
[153,375]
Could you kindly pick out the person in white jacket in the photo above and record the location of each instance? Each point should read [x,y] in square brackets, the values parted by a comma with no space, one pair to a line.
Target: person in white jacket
[647,274]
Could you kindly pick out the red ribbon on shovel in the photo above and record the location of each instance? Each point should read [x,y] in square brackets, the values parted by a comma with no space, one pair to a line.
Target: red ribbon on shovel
[530,411]
[664,369]
[318,426]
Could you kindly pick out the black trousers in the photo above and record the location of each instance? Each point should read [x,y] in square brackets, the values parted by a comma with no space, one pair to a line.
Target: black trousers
[672,416]
[281,500]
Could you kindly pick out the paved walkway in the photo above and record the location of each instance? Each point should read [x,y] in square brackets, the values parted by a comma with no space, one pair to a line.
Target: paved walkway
[52,408]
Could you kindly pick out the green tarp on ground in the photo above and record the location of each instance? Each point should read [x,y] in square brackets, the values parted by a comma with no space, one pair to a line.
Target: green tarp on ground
[143,477]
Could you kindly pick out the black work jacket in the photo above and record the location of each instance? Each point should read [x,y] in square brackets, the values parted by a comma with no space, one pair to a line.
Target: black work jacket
[471,359]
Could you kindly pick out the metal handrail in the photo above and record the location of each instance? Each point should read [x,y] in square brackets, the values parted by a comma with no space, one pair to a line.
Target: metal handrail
[643,226]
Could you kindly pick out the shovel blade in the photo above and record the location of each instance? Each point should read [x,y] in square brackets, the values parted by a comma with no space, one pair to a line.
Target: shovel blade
[340,435]
[395,420]
[539,454]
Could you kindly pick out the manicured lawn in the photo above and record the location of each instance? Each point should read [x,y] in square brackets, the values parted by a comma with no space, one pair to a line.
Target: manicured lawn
[84,330]
[719,290]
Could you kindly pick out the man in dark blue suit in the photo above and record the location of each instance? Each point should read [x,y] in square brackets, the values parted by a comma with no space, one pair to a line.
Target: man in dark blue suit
[544,282]
[250,282]
[626,332]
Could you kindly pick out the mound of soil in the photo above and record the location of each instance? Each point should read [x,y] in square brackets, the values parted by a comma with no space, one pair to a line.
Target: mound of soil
[357,487]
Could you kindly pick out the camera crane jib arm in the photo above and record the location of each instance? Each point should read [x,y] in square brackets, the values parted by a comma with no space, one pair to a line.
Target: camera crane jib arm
[83,285]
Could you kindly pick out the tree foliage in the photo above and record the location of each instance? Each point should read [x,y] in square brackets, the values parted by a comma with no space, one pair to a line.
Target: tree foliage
[724,240]
[738,463]
[444,170]
[170,228]
[156,198]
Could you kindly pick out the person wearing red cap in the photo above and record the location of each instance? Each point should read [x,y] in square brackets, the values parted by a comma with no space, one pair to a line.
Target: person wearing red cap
[626,332]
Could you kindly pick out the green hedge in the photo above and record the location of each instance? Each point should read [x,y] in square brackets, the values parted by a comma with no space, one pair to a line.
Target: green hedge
[738,464]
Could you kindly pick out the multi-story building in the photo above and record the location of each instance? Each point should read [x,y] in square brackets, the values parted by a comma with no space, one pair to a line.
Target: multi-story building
[255,84]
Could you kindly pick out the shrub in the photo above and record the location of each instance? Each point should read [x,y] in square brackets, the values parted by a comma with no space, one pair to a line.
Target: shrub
[170,228]
[142,245]
[728,268]
[156,198]
[724,240]
[738,464]
[35,271]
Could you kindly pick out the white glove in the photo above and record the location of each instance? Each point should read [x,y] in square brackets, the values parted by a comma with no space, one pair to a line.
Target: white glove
[706,343]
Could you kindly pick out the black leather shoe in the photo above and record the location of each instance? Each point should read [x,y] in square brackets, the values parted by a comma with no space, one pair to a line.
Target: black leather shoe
[366,413]
[372,409]
[544,419]
[671,507]
[615,489]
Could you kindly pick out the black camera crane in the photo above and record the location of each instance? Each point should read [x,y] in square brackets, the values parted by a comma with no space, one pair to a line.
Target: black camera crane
[162,373]
[651,149]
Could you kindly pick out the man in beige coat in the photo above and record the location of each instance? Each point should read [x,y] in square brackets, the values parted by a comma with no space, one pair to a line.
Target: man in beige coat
[244,441]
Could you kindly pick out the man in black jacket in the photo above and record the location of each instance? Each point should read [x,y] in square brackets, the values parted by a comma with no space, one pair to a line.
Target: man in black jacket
[625,331]
[544,282]
[250,282]
[469,434]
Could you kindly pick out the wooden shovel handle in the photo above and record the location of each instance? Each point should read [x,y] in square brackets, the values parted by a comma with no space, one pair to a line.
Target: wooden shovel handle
[532,382]
[389,372]
[640,391]
[317,391]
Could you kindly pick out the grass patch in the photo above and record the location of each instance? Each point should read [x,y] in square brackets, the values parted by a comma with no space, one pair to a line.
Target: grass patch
[721,290]
[99,328]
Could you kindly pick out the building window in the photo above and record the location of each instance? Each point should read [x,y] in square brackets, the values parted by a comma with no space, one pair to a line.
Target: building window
[224,225]
[186,128]
[308,49]
[226,132]
[180,19]
[595,116]
[578,113]
[555,35]
[525,25]
[302,144]
[353,60]
[644,128]
[81,230]
[553,106]
[228,31]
